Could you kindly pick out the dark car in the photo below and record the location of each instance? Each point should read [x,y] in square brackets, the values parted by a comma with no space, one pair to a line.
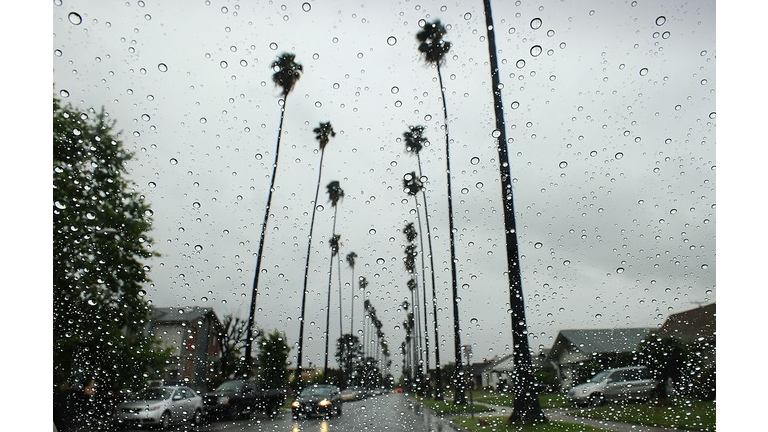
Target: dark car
[317,401]
[241,398]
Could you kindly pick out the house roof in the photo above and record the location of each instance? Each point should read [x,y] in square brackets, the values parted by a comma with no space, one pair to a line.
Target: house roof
[596,341]
[691,324]
[181,315]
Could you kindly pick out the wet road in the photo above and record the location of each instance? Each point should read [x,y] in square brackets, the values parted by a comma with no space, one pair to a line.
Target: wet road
[390,413]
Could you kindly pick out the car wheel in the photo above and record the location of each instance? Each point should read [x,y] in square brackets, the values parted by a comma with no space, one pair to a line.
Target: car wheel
[596,399]
[197,418]
[338,411]
[165,421]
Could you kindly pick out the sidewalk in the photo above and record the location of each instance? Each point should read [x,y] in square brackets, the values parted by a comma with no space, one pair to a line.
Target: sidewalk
[565,415]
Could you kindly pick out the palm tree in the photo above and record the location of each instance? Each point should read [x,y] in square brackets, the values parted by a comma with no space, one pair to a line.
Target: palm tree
[287,72]
[363,285]
[412,186]
[335,194]
[323,135]
[527,408]
[434,48]
[351,261]
[414,142]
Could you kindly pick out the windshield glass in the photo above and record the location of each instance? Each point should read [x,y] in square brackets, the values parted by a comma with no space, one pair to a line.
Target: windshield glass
[600,377]
[152,394]
[478,202]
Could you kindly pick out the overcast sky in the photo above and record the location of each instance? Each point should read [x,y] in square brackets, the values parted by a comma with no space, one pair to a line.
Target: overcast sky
[611,136]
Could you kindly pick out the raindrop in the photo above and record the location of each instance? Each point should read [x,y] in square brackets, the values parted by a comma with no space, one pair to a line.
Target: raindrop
[198,248]
[520,64]
[391,41]
[380,261]
[273,46]
[196,205]
[643,71]
[203,120]
[515,104]
[223,64]
[173,161]
[473,321]
[64,93]
[474,160]
[619,155]
[538,245]
[704,266]
[398,104]
[464,191]
[566,263]
[712,115]
[661,20]
[306,7]
[395,90]
[620,270]
[57,53]
[563,164]
[467,16]
[536,23]
[593,153]
[372,231]
[535,50]
[258,156]
[75,18]
[162,67]
[665,35]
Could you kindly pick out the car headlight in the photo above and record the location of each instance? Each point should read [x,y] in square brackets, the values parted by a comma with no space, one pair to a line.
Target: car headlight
[324,402]
[224,400]
[295,404]
[154,407]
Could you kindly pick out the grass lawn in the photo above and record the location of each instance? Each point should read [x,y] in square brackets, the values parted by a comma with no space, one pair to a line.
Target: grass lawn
[487,424]
[677,413]
[446,407]
[548,400]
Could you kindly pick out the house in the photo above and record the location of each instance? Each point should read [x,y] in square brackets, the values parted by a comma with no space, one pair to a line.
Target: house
[193,335]
[695,325]
[578,354]
[497,373]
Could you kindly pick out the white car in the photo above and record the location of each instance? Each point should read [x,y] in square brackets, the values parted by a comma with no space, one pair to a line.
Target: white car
[620,384]
[161,406]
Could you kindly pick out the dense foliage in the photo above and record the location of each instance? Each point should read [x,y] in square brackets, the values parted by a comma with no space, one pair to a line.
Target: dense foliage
[100,227]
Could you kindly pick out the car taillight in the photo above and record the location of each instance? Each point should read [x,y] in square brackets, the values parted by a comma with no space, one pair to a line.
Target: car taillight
[324,402]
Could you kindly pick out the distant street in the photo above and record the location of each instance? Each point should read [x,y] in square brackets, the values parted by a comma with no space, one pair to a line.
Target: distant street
[391,413]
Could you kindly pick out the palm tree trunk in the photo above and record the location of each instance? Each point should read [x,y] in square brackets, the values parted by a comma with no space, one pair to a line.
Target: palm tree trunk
[299,354]
[459,394]
[438,373]
[527,408]
[425,329]
[328,304]
[255,289]
[352,306]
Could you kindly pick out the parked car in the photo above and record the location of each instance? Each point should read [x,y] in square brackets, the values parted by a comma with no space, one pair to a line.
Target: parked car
[620,384]
[161,406]
[240,398]
[353,393]
[317,401]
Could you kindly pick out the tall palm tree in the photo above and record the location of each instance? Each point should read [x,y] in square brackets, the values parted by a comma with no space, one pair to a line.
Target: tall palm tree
[412,186]
[434,48]
[287,72]
[527,408]
[363,286]
[335,194]
[351,262]
[323,135]
[415,140]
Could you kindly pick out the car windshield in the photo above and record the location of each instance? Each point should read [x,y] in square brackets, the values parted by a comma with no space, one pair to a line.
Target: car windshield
[600,377]
[153,394]
[236,386]
[481,202]
[316,391]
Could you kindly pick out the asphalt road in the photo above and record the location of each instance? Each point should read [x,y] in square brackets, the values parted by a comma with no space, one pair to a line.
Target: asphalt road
[390,413]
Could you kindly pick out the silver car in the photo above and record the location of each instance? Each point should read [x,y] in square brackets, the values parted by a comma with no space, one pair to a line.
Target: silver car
[620,384]
[161,406]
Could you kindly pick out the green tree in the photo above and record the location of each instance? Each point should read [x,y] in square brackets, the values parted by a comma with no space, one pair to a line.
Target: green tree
[232,341]
[434,48]
[100,244]
[287,72]
[323,134]
[527,408]
[665,358]
[348,353]
[273,357]
[335,194]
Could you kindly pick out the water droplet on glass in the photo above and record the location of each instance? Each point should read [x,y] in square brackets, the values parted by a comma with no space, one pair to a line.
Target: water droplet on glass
[620,270]
[474,160]
[173,161]
[395,90]
[712,115]
[306,7]
[391,41]
[196,205]
[75,18]
[380,261]
[520,64]
[536,50]
[162,67]
[538,245]
[704,266]
[566,263]
[536,23]
[273,46]
[619,155]
[665,35]
[643,71]
[203,120]
[661,20]
[563,164]
[64,93]
[198,248]
[593,153]
[515,104]
[467,16]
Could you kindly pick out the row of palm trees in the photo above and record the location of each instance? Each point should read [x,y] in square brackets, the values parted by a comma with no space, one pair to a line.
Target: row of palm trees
[433,47]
